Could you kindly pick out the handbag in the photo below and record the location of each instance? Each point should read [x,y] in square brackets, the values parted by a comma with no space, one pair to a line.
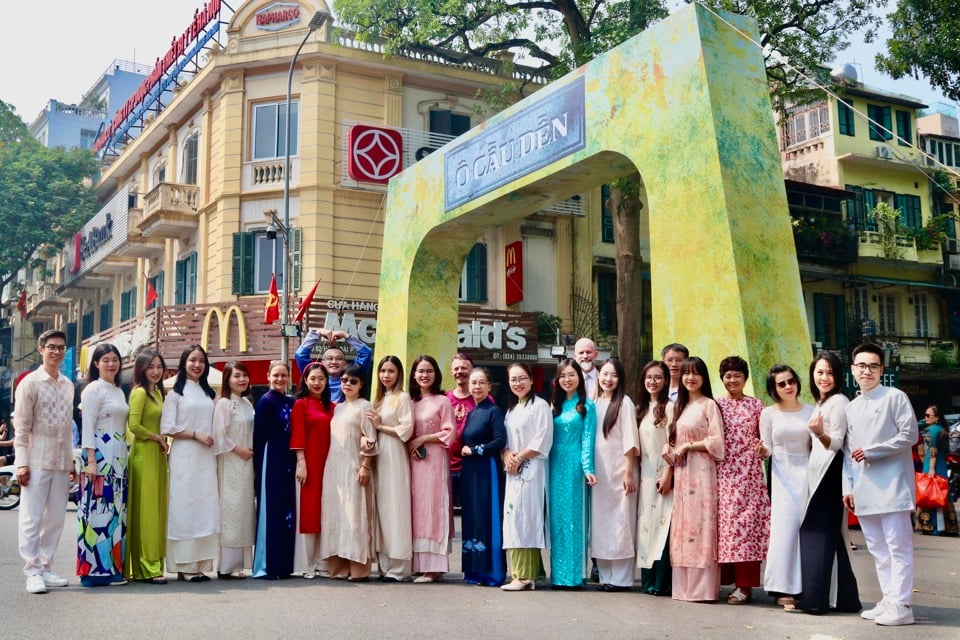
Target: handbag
[931,491]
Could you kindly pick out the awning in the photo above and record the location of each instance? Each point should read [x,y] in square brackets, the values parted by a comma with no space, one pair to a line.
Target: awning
[855,280]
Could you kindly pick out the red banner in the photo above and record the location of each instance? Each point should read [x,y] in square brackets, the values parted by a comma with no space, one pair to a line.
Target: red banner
[513,268]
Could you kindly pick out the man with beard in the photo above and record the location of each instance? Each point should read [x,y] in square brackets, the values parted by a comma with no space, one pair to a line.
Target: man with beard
[585,353]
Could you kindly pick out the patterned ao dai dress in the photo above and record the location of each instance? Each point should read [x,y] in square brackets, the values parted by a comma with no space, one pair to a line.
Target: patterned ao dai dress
[233,427]
[101,515]
[654,510]
[693,533]
[571,457]
[430,486]
[147,491]
[786,435]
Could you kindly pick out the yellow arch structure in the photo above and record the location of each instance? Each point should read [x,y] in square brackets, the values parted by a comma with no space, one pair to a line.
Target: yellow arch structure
[686,104]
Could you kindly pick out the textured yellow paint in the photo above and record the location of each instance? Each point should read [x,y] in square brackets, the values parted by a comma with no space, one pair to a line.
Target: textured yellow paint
[686,105]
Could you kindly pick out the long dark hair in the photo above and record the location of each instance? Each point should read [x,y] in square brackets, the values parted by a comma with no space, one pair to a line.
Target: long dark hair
[103,349]
[228,368]
[303,390]
[694,365]
[140,366]
[663,397]
[435,388]
[616,400]
[382,390]
[772,380]
[835,368]
[559,395]
[182,372]
[514,400]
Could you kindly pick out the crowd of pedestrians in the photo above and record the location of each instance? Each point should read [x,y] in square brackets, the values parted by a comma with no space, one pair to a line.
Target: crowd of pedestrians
[328,483]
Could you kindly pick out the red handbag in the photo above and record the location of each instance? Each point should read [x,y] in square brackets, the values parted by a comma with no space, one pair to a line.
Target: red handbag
[931,491]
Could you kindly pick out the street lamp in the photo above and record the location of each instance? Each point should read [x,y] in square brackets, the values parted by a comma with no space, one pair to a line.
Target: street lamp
[317,21]
[276,227]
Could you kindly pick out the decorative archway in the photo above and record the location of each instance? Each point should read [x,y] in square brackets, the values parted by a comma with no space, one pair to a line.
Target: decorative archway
[686,104]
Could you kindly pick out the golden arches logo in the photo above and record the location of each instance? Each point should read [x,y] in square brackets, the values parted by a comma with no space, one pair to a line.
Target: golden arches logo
[511,254]
[223,323]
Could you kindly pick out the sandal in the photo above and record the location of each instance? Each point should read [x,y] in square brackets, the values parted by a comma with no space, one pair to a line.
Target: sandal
[785,601]
[738,596]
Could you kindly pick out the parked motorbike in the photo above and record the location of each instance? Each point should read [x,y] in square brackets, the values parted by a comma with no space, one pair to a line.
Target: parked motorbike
[10,488]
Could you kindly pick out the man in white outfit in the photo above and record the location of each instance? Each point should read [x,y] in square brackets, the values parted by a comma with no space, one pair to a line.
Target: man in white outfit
[44,451]
[878,482]
[585,352]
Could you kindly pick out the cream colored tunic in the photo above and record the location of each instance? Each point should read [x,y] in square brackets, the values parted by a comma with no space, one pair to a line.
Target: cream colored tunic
[613,513]
[394,528]
[654,510]
[233,427]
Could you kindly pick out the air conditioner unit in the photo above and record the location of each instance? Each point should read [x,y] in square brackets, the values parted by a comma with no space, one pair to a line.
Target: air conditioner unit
[953,262]
[952,246]
[884,152]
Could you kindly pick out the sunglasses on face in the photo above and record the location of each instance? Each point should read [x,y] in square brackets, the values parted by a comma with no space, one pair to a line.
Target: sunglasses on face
[348,380]
[783,384]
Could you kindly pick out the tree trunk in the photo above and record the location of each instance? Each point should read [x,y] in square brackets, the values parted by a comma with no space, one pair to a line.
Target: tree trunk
[625,206]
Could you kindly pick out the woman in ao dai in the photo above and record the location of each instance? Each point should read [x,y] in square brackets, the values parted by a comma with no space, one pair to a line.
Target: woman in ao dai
[744,506]
[655,508]
[697,448]
[529,425]
[310,442]
[434,430]
[233,433]
[613,500]
[826,573]
[193,517]
[392,415]
[784,437]
[101,515]
[571,470]
[347,509]
[147,493]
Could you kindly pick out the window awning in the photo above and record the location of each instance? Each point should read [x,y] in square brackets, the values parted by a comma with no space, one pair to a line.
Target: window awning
[855,280]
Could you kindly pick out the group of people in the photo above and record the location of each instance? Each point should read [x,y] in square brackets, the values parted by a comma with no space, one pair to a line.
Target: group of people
[327,482]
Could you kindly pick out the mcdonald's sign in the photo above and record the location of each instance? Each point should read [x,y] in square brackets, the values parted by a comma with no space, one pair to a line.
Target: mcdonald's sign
[513,267]
[223,324]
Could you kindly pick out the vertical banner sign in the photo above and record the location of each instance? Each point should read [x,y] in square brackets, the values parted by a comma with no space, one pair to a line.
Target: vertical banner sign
[513,270]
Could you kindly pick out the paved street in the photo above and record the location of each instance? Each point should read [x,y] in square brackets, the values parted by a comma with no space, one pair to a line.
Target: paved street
[298,608]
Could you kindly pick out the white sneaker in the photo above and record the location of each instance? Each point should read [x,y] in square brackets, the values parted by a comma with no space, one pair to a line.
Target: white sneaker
[876,612]
[35,584]
[895,616]
[51,579]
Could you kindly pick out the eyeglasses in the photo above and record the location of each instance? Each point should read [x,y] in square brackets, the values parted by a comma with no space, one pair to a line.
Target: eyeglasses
[519,379]
[783,384]
[654,379]
[349,380]
[56,348]
[863,366]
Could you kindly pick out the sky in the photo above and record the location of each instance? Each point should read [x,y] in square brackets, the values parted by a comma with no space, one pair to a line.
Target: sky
[61,55]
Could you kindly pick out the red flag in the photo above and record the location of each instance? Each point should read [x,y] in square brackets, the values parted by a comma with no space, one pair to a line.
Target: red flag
[151,296]
[305,303]
[22,303]
[271,312]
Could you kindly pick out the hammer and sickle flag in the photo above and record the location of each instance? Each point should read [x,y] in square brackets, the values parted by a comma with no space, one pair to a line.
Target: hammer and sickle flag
[271,313]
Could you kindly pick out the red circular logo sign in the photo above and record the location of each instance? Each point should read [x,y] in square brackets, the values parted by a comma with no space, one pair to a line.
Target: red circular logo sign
[376,154]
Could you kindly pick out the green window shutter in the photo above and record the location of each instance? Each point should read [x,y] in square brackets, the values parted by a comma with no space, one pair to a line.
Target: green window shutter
[904,128]
[845,118]
[296,254]
[606,216]
[855,210]
[244,246]
[191,278]
[180,283]
[869,202]
[87,325]
[71,334]
[819,330]
[124,305]
[887,124]
[477,273]
[880,122]
[106,315]
[840,319]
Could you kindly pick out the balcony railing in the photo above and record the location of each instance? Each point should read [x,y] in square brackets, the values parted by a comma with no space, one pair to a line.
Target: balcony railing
[169,209]
[872,246]
[825,247]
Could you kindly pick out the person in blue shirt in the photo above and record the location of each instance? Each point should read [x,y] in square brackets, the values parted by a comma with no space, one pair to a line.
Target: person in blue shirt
[332,357]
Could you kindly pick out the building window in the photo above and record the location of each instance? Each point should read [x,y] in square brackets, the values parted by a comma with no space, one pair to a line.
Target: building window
[270,129]
[607,302]
[909,207]
[128,304]
[606,216]
[473,280]
[845,119]
[87,138]
[887,314]
[185,287]
[160,174]
[880,124]
[829,321]
[921,320]
[256,258]
[190,159]
[904,128]
[71,332]
[106,315]
[448,123]
[861,304]
[86,325]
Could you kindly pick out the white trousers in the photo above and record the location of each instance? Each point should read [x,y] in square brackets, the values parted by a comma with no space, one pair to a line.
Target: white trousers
[619,573]
[889,538]
[43,505]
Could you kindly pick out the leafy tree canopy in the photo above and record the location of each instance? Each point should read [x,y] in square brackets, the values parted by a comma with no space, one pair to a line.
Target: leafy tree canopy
[926,41]
[43,196]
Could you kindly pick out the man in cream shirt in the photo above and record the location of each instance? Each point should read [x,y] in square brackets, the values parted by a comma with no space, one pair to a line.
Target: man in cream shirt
[42,417]
[878,482]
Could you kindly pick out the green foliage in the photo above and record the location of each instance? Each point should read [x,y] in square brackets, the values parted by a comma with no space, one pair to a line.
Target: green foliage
[547,325]
[942,358]
[889,226]
[43,198]
[926,41]
[934,233]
